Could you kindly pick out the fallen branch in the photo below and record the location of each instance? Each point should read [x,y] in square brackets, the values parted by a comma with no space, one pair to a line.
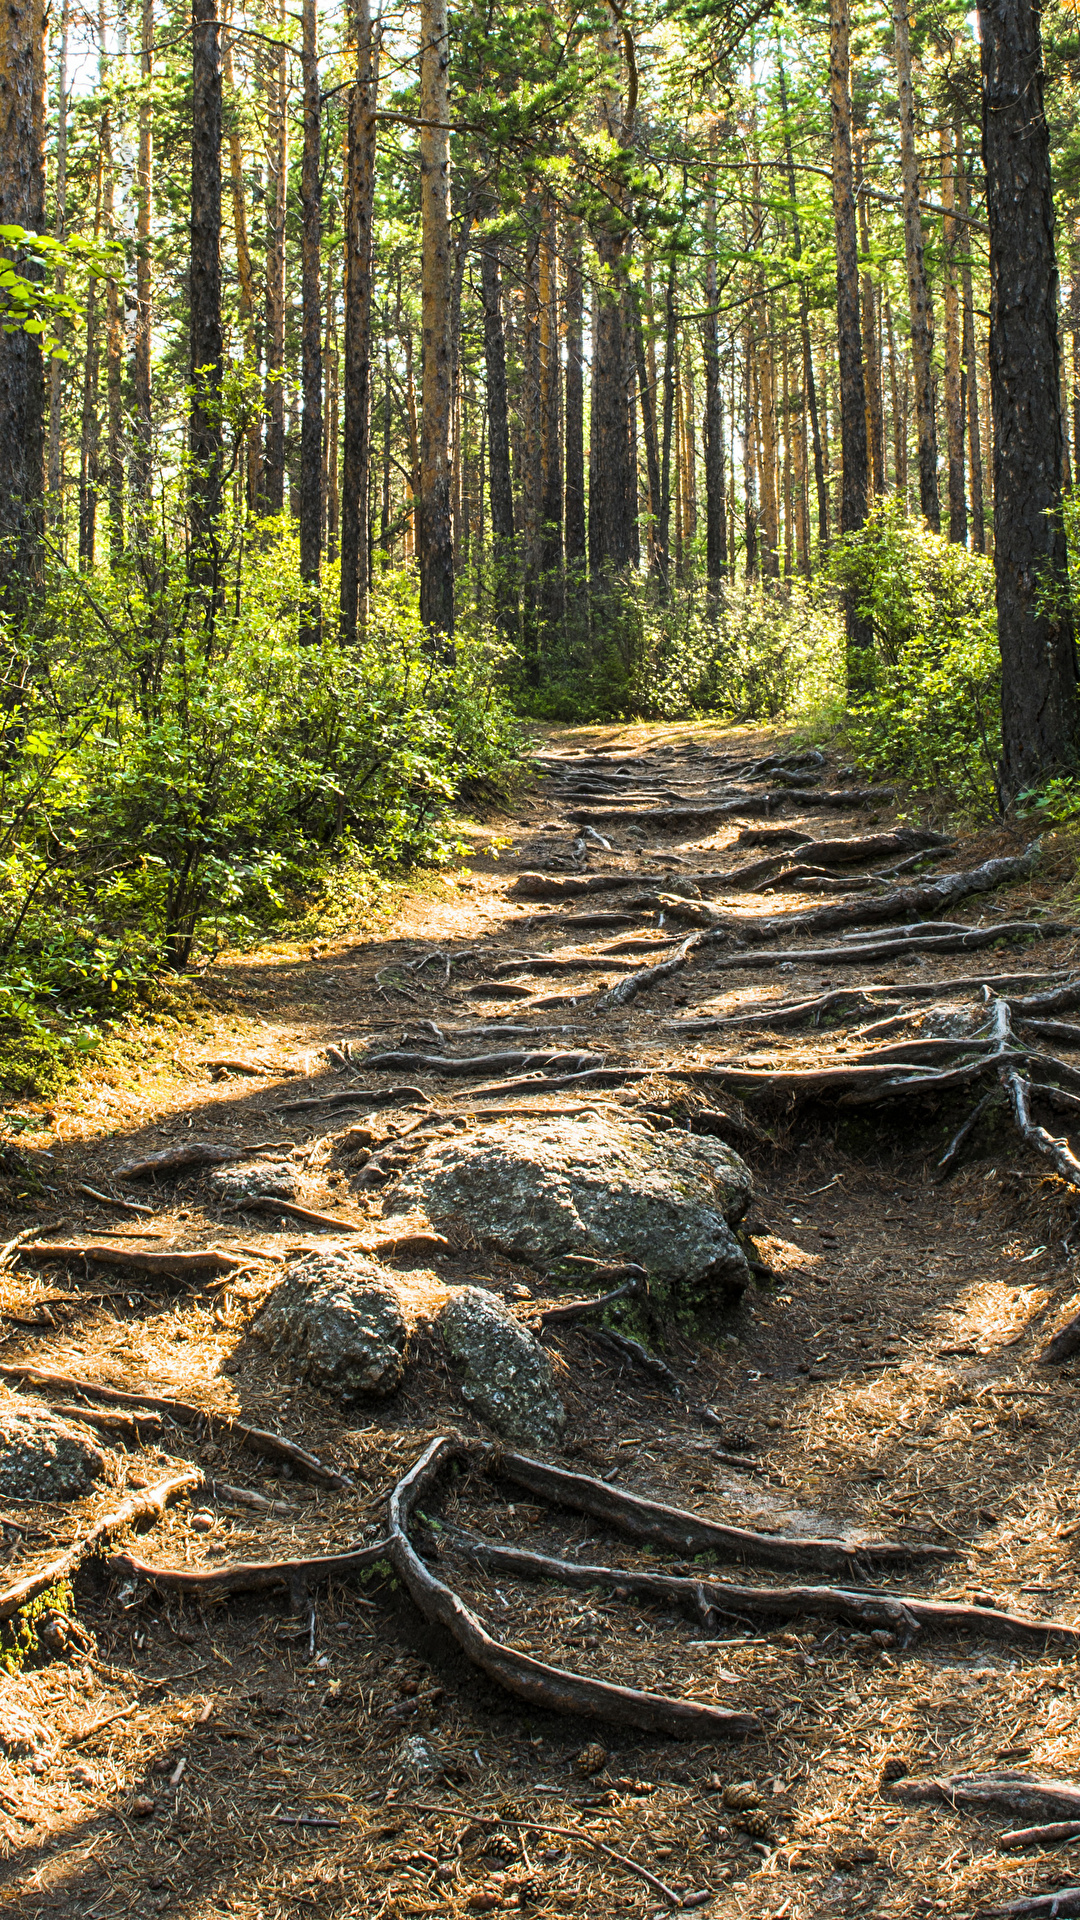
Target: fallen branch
[112,1199]
[160,1266]
[137,1509]
[643,1519]
[1048,1835]
[1015,1792]
[898,1612]
[519,1673]
[270,1446]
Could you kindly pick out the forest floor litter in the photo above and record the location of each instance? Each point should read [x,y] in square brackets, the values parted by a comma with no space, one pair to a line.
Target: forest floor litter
[258,1681]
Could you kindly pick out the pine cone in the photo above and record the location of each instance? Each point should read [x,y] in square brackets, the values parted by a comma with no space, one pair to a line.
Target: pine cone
[591,1758]
[755,1821]
[742,1795]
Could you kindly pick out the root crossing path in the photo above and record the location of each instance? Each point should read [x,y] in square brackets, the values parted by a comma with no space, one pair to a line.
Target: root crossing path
[801,1563]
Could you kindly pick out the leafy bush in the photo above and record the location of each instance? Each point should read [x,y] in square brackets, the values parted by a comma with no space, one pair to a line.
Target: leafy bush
[175,775]
[928,704]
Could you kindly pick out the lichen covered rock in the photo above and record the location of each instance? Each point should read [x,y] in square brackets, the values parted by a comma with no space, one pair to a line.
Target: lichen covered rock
[502,1371]
[256,1180]
[546,1187]
[45,1458]
[342,1318]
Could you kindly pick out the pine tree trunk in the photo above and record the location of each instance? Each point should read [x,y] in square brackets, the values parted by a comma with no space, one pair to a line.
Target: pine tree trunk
[613,485]
[955,238]
[531,478]
[971,368]
[769,470]
[55,464]
[311,500]
[648,430]
[22,375]
[436,542]
[114,457]
[205,435]
[244,274]
[1035,630]
[500,479]
[875,412]
[716,545]
[789,532]
[88,425]
[809,382]
[689,452]
[854,450]
[663,520]
[142,471]
[551,488]
[750,510]
[922,326]
[359,234]
[331,427]
[574,427]
[275,84]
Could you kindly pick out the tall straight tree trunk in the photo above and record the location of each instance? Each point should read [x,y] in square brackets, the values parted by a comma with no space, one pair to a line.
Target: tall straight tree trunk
[387,425]
[689,452]
[716,546]
[663,524]
[244,274]
[500,479]
[114,349]
[1035,629]
[55,466]
[574,404]
[922,326]
[900,460]
[22,377]
[809,383]
[853,499]
[144,175]
[531,476]
[875,411]
[955,237]
[331,423]
[205,435]
[971,368]
[551,489]
[89,426]
[770,467]
[750,510]
[311,498]
[613,485]
[359,230]
[275,84]
[436,540]
[648,430]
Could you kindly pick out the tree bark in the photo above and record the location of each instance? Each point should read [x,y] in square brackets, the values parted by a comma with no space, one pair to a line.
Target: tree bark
[144,175]
[955,237]
[436,541]
[574,405]
[551,487]
[716,555]
[875,411]
[22,378]
[853,499]
[500,479]
[311,497]
[275,82]
[922,326]
[55,466]
[1035,631]
[613,488]
[971,367]
[244,274]
[809,382]
[648,429]
[359,232]
[205,436]
[89,426]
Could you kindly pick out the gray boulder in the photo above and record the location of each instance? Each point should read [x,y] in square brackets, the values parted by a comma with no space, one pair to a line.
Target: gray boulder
[45,1458]
[543,1188]
[342,1318]
[502,1370]
[256,1180]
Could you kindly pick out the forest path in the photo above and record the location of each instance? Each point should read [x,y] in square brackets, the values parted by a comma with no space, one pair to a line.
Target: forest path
[885,1380]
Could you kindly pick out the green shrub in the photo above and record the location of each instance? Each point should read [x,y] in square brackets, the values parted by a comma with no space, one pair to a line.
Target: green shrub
[927,705]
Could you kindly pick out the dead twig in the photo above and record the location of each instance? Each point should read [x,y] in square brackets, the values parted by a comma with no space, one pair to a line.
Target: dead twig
[1048,1835]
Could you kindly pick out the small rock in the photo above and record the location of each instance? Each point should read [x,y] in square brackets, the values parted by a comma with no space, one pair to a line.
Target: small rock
[256,1180]
[503,1372]
[548,1187]
[415,1756]
[44,1458]
[202,1522]
[341,1317]
[591,1758]
[143,1806]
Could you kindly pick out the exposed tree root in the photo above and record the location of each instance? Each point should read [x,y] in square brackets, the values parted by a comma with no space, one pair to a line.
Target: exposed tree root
[360,1097]
[644,1519]
[842,853]
[132,1512]
[1048,1835]
[200,1265]
[797,1013]
[575,1309]
[1014,1792]
[1062,1905]
[269,1446]
[701,813]
[251,1576]
[899,1612]
[467,1065]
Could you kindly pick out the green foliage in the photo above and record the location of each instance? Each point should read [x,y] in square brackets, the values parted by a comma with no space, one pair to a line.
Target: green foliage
[927,704]
[753,652]
[20,1645]
[36,294]
[175,777]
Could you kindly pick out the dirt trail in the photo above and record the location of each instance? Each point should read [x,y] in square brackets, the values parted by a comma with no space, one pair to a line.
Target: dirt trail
[243,1759]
